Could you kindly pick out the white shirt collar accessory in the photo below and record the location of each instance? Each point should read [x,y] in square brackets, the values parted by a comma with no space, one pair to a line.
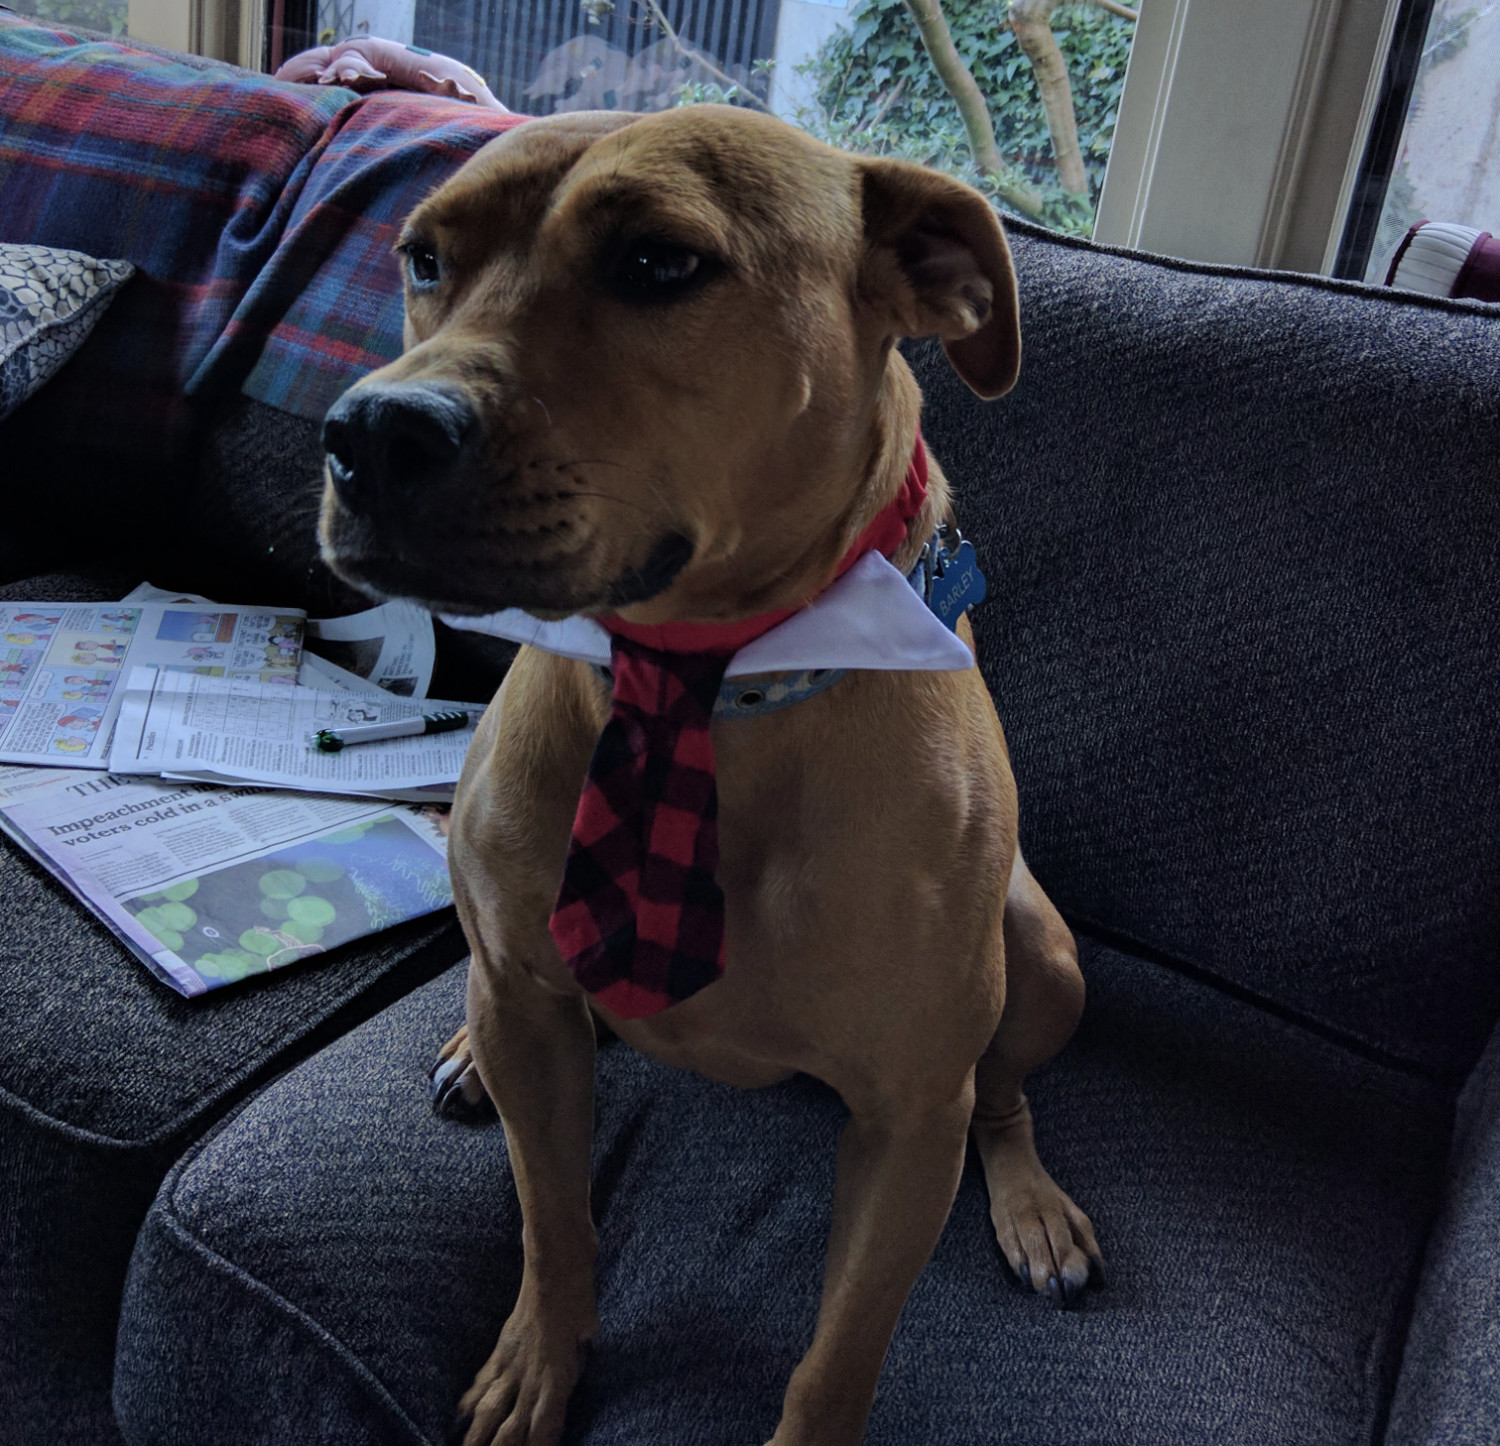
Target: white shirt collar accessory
[870,618]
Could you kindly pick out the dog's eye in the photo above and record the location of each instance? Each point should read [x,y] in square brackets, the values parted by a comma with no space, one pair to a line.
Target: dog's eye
[657,267]
[422,265]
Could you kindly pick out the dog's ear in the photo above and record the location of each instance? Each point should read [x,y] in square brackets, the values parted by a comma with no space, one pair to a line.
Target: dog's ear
[936,259]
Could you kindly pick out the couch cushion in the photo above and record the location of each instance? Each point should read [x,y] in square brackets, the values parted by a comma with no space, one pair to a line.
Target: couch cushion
[1243,541]
[105,1075]
[1261,1196]
[1448,1393]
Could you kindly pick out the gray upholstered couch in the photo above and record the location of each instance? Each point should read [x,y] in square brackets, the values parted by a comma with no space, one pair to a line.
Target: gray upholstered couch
[1243,541]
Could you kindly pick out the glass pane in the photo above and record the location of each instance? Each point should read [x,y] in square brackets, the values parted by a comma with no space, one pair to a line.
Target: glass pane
[109,17]
[1448,165]
[872,86]
[858,74]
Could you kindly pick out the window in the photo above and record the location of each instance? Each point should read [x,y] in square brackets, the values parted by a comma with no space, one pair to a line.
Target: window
[1434,147]
[859,74]
[109,17]
[232,30]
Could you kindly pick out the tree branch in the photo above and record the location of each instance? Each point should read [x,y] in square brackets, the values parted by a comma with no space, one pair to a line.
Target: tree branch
[959,82]
[890,98]
[1032,22]
[728,80]
[1114,8]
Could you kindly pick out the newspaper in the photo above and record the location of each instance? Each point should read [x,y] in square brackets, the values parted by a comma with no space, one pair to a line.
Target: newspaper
[148,592]
[316,672]
[62,664]
[16,779]
[392,646]
[212,885]
[180,725]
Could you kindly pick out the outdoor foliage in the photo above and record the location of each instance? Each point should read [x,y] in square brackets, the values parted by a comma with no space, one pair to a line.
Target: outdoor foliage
[878,93]
[108,16]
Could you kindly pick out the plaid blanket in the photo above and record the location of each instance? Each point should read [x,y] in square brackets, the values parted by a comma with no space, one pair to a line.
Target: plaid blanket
[326,308]
[260,216]
[189,170]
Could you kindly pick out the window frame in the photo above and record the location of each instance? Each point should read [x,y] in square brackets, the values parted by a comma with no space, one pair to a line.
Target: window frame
[1277,99]
[231,30]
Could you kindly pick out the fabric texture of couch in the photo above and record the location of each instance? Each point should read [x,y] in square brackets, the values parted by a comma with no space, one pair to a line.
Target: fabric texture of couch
[1241,536]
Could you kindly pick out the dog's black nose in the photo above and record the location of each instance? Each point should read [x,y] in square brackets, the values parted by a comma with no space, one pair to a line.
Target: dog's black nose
[387,441]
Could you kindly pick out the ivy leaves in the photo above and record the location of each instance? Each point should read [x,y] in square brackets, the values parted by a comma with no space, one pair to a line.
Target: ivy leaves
[858,70]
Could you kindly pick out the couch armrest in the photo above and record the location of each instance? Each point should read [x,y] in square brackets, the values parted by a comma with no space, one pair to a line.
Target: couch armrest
[1448,1391]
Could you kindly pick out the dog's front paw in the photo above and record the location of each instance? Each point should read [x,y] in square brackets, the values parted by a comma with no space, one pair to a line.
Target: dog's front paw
[520,1397]
[457,1091]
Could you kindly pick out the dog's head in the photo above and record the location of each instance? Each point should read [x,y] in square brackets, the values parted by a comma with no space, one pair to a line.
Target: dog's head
[649,368]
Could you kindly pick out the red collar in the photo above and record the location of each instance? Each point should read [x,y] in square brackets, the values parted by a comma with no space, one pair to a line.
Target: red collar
[885,534]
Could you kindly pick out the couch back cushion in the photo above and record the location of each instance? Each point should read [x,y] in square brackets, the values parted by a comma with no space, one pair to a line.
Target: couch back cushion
[1243,538]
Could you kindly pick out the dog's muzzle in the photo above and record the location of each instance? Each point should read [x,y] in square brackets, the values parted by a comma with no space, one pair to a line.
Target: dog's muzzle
[387,444]
[420,514]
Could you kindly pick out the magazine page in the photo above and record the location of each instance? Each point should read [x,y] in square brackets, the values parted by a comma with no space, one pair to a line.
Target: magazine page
[212,885]
[62,665]
[181,725]
[392,646]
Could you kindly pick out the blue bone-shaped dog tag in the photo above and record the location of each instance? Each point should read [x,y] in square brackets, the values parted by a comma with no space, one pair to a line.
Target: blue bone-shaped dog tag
[960,586]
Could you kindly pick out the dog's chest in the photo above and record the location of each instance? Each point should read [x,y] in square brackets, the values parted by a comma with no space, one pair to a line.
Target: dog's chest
[854,830]
[845,809]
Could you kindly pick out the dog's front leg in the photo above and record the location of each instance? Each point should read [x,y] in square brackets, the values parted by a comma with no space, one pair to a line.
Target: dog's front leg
[898,1170]
[535,1051]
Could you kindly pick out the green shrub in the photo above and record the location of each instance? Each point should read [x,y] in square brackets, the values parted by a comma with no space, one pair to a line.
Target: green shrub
[857,69]
[108,16]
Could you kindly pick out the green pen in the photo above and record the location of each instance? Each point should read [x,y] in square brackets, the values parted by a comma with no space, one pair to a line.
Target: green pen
[331,740]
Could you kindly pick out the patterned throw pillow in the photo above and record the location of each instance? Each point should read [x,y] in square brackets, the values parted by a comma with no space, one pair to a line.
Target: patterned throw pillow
[49,302]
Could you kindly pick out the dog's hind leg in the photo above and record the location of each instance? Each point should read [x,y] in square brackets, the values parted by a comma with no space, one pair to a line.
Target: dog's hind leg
[457,1091]
[1047,1239]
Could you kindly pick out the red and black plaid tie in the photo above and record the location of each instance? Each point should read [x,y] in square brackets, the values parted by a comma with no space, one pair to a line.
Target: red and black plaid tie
[640,917]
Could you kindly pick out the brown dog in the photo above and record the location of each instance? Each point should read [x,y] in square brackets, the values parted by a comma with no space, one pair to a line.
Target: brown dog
[650,371]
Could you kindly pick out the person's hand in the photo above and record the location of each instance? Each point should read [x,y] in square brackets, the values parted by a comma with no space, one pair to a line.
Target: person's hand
[370,63]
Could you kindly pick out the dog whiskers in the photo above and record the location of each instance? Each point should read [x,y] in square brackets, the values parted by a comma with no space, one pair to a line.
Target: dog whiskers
[610,497]
[570,466]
